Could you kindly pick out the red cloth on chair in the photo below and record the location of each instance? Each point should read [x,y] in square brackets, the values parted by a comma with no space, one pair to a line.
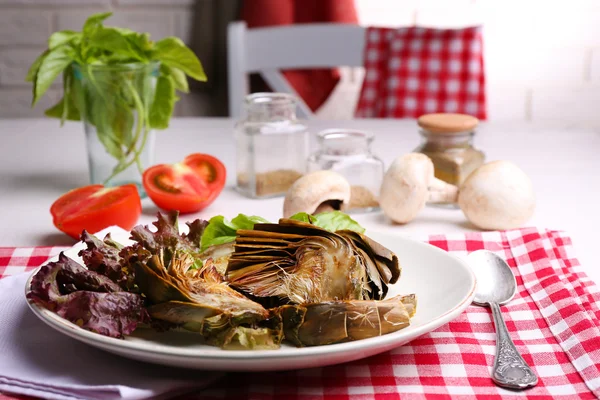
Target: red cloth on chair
[315,85]
[414,71]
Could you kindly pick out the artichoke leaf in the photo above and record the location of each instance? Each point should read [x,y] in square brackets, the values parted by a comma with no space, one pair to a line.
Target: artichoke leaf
[228,333]
[182,313]
[387,261]
[343,321]
[155,287]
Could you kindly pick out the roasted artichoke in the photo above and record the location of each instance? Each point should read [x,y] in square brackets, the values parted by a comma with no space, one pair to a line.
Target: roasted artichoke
[300,263]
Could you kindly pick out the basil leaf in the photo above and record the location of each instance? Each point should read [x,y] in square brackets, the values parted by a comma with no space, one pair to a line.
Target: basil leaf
[111,145]
[174,53]
[332,221]
[33,69]
[122,124]
[123,31]
[179,78]
[94,21]
[140,40]
[57,111]
[60,38]
[111,40]
[66,108]
[164,101]
[51,66]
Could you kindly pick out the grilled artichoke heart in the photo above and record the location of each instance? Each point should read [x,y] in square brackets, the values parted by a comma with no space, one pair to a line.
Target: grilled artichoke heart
[200,300]
[344,321]
[299,263]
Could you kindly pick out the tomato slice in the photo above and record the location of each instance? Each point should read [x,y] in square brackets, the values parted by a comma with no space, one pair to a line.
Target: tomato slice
[188,186]
[96,207]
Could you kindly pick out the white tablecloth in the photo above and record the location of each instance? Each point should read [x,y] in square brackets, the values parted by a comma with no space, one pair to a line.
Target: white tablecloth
[39,161]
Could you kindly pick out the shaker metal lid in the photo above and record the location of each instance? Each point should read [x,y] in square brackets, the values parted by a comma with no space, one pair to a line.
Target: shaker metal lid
[447,123]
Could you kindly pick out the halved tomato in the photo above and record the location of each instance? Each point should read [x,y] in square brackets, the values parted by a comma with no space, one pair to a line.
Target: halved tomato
[96,207]
[187,186]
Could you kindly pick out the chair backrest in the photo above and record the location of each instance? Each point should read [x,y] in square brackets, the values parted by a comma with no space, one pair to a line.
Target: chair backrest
[267,50]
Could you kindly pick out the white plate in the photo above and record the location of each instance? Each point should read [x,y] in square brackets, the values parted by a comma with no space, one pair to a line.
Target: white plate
[444,286]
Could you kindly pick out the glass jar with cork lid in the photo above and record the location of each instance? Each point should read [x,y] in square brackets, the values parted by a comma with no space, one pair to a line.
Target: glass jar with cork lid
[447,139]
[271,145]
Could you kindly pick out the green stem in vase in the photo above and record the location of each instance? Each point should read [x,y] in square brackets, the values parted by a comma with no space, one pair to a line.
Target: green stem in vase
[139,108]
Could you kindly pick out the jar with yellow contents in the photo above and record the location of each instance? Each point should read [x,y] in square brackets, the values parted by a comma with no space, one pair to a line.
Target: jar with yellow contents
[447,139]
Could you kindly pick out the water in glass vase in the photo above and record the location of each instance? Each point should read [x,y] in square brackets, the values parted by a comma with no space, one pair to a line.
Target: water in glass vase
[115,101]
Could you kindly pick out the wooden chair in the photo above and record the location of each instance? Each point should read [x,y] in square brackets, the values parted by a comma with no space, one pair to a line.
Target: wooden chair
[268,50]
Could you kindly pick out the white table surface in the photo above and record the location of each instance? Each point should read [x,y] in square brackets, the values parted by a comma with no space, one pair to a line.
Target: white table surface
[39,161]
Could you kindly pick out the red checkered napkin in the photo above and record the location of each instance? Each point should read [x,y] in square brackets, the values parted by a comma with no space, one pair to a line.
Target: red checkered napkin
[553,320]
[414,71]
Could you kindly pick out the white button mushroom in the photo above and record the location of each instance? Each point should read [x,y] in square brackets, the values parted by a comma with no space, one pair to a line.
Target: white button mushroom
[408,184]
[498,195]
[317,192]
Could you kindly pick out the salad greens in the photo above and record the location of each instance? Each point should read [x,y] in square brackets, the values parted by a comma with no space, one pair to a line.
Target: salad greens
[220,230]
[87,298]
[331,221]
[108,75]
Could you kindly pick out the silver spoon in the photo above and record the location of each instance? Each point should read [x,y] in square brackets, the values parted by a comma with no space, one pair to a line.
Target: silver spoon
[496,285]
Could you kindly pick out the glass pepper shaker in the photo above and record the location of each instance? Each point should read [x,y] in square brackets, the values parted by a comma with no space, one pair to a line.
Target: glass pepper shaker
[271,145]
[349,153]
[447,139]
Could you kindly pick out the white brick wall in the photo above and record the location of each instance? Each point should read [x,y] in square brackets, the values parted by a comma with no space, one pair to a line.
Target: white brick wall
[542,56]
[26,24]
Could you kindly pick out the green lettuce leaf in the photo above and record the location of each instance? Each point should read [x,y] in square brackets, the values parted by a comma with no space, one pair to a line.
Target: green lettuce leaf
[332,221]
[220,230]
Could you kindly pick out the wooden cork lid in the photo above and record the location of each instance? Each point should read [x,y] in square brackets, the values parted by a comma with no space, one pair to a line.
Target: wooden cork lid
[447,123]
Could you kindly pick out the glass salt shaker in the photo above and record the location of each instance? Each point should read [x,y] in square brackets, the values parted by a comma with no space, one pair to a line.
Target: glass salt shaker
[447,139]
[348,152]
[271,145]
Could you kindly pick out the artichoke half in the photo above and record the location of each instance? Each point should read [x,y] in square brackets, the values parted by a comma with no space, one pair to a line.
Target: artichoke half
[299,263]
[199,300]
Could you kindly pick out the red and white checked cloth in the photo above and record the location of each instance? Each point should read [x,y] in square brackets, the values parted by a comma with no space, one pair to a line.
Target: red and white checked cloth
[414,71]
[553,320]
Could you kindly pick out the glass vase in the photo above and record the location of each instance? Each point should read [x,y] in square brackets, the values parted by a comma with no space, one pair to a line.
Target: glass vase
[115,101]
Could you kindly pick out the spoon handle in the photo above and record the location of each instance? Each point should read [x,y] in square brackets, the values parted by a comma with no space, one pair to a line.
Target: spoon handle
[510,370]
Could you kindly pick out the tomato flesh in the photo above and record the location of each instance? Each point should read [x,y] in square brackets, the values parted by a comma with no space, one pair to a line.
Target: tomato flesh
[95,207]
[188,186]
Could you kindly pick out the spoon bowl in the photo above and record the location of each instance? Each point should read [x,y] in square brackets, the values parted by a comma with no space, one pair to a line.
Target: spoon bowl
[495,280]
[496,284]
